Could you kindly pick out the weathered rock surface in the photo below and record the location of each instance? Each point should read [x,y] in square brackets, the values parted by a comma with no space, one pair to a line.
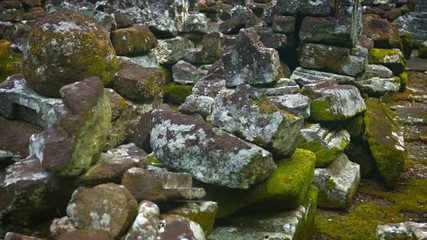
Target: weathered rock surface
[422,50]
[159,185]
[306,76]
[340,60]
[284,189]
[172,50]
[65,47]
[326,144]
[146,224]
[17,236]
[196,23]
[305,7]
[337,183]
[97,208]
[293,224]
[391,58]
[241,17]
[249,62]
[249,114]
[197,104]
[333,102]
[209,88]
[133,40]
[209,154]
[69,147]
[21,102]
[404,230]
[282,87]
[187,73]
[138,83]
[177,227]
[211,50]
[382,32]
[29,194]
[385,140]
[376,86]
[86,234]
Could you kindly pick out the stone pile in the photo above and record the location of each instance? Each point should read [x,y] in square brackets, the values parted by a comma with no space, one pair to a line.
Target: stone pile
[415,23]
[249,133]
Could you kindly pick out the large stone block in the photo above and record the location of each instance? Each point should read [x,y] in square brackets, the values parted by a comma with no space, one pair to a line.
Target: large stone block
[133,40]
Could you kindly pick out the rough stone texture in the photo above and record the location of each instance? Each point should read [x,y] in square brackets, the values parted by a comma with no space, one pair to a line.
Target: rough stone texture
[374,70]
[147,60]
[376,86]
[17,236]
[407,45]
[111,165]
[271,39]
[249,62]
[385,140]
[97,208]
[404,230]
[249,114]
[282,87]
[209,88]
[29,194]
[326,144]
[201,212]
[211,50]
[146,224]
[284,189]
[297,104]
[65,47]
[346,61]
[337,183]
[391,58]
[307,8]
[382,32]
[172,50]
[138,83]
[86,234]
[159,185]
[358,151]
[133,40]
[177,227]
[60,226]
[283,24]
[334,103]
[21,102]
[209,154]
[197,104]
[306,76]
[187,73]
[294,224]
[196,23]
[422,50]
[69,147]
[241,17]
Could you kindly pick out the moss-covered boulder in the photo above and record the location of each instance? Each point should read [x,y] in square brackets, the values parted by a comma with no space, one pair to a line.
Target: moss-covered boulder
[326,144]
[65,47]
[176,93]
[391,58]
[9,63]
[294,224]
[422,50]
[385,140]
[284,189]
[133,40]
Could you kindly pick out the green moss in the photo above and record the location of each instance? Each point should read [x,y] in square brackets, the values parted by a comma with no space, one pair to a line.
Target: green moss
[355,126]
[406,39]
[153,161]
[422,50]
[403,81]
[259,141]
[205,219]
[392,59]
[9,63]
[359,224]
[320,110]
[265,105]
[330,184]
[176,94]
[324,155]
[310,202]
[133,40]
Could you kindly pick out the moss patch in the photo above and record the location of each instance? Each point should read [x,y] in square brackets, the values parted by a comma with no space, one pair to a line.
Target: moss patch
[323,155]
[9,63]
[265,105]
[403,81]
[358,224]
[176,94]
[390,58]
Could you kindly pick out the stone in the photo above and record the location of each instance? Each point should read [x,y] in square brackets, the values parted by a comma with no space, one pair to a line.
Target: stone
[172,50]
[305,76]
[297,223]
[86,234]
[249,114]
[19,101]
[385,140]
[383,33]
[345,61]
[358,151]
[337,183]
[138,83]
[422,50]
[177,227]
[197,104]
[60,226]
[209,88]
[283,24]
[374,70]
[146,224]
[176,93]
[201,212]
[390,58]
[133,40]
[306,8]
[112,164]
[282,87]
[69,147]
[296,104]
[146,60]
[187,73]
[159,185]
[17,236]
[378,87]
[407,46]
[29,193]
[355,126]
[334,103]
[196,23]
[65,47]
[327,144]
[179,140]
[211,50]
[403,230]
[249,62]
[271,39]
[241,17]
[285,188]
[96,208]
